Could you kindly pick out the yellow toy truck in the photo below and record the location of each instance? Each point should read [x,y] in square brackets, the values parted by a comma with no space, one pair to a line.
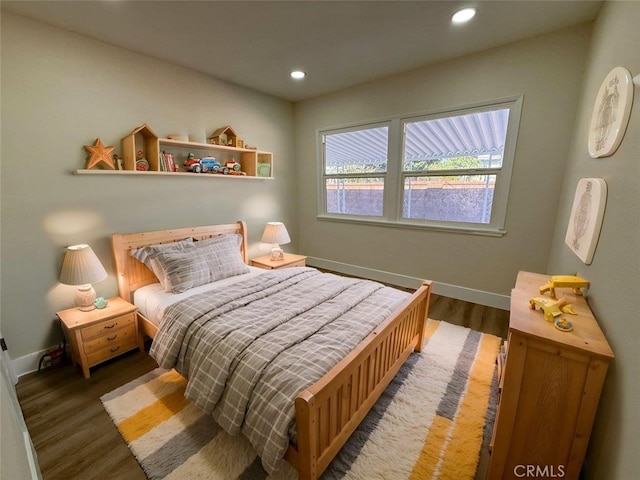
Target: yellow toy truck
[564,281]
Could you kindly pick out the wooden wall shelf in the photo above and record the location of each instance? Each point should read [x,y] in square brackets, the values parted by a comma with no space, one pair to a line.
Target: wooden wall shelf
[254,163]
[167,174]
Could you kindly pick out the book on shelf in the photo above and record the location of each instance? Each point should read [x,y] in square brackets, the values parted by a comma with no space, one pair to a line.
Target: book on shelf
[170,162]
[166,162]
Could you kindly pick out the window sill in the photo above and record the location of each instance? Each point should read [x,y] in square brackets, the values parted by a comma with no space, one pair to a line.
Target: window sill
[469,230]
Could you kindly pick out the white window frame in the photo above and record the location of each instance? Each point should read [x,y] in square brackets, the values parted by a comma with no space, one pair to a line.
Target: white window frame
[324,176]
[395,176]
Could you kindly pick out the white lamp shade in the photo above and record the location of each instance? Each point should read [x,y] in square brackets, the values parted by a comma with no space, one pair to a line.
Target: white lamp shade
[81,266]
[275,232]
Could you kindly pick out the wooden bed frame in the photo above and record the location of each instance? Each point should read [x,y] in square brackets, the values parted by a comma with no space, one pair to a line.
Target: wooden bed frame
[329,411]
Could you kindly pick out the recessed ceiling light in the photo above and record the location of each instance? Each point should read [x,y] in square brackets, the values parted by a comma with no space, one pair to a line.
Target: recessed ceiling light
[464,15]
[298,74]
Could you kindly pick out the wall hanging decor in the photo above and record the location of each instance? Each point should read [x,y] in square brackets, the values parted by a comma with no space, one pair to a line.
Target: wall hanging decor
[99,155]
[611,113]
[586,218]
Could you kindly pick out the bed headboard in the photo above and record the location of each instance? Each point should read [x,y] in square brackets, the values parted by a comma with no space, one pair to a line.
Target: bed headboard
[132,274]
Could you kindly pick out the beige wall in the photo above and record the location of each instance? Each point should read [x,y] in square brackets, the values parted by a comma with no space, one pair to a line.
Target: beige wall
[615,269]
[548,71]
[61,91]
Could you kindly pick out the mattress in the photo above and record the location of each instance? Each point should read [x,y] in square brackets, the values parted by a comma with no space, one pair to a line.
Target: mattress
[152,300]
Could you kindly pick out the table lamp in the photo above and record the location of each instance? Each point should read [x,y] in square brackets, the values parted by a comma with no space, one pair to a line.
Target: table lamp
[276,234]
[81,268]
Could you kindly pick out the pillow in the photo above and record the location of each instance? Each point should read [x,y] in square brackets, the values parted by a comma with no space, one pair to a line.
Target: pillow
[212,259]
[220,239]
[147,255]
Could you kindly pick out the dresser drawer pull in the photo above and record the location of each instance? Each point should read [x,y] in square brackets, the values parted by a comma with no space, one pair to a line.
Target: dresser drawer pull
[115,349]
[112,338]
[109,328]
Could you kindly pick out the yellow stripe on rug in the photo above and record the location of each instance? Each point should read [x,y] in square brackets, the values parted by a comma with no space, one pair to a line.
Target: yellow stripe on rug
[441,458]
[430,327]
[427,462]
[162,409]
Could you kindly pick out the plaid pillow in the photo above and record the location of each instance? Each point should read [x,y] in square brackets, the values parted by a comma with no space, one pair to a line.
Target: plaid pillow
[148,254]
[210,260]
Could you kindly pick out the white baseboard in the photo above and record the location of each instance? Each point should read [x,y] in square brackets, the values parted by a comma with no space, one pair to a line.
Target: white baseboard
[453,291]
[29,363]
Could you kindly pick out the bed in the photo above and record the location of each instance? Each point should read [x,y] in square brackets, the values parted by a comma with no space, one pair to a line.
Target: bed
[326,411]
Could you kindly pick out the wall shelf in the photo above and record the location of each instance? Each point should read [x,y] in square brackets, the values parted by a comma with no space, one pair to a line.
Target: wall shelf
[167,174]
[254,163]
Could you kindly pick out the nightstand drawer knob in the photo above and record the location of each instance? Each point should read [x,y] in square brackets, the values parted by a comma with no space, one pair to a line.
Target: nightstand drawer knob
[115,349]
[112,338]
[110,327]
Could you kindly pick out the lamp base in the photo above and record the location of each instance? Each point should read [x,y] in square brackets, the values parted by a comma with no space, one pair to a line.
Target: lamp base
[85,297]
[277,254]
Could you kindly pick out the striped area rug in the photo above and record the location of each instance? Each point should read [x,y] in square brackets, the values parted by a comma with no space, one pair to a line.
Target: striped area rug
[431,422]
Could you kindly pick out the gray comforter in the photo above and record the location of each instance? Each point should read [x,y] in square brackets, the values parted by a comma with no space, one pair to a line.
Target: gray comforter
[249,349]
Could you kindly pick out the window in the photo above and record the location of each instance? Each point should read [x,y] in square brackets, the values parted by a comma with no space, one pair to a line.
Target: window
[355,167]
[449,170]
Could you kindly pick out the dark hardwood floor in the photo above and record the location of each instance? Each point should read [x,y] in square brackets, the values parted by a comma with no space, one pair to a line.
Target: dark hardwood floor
[74,436]
[477,317]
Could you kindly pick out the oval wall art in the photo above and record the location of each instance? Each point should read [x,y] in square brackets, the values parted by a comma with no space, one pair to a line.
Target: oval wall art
[586,218]
[611,113]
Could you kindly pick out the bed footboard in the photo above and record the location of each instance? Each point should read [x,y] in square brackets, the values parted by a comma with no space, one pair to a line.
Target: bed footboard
[329,411]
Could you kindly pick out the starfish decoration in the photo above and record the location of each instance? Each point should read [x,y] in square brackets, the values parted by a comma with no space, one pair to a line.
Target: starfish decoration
[99,154]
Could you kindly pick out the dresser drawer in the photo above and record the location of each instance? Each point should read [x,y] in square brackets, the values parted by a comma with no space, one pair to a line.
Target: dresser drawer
[109,338]
[112,350]
[108,326]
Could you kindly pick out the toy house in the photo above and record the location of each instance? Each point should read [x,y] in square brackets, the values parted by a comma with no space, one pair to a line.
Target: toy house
[225,136]
[140,139]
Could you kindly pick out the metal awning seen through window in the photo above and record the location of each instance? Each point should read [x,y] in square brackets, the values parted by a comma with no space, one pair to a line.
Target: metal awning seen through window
[473,134]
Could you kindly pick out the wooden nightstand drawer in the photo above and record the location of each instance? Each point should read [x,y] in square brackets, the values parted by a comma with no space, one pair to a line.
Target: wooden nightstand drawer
[108,326]
[113,350]
[109,339]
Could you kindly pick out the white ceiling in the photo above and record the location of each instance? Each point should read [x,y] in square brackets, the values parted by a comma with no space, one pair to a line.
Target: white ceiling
[338,43]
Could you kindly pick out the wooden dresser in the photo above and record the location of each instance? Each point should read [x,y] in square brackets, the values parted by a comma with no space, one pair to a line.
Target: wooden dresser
[549,388]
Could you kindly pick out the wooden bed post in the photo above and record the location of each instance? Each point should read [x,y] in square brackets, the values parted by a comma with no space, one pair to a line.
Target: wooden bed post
[307,436]
[118,255]
[423,314]
[242,231]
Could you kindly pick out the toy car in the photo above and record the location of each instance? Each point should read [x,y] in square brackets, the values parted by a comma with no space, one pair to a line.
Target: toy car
[564,281]
[203,165]
[231,166]
[551,307]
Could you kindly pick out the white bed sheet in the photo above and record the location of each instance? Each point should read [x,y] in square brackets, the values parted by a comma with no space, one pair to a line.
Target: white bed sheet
[152,300]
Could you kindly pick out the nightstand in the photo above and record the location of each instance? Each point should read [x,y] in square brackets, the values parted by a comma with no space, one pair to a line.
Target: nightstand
[101,334]
[290,260]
